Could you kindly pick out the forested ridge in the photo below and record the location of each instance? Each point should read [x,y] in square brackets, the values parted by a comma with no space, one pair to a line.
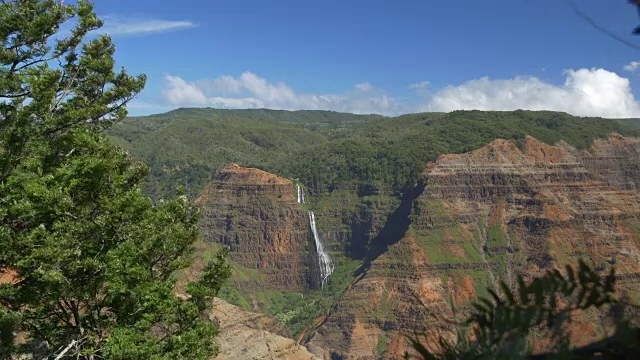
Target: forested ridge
[328,150]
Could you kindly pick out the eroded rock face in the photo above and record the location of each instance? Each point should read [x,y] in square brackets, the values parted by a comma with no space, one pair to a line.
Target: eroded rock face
[245,335]
[487,216]
[615,160]
[256,214]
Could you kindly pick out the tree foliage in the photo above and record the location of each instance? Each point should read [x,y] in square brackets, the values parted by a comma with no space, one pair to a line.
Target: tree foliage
[88,259]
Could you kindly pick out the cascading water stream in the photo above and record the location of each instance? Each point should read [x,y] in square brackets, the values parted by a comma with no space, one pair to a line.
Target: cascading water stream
[301,199]
[324,260]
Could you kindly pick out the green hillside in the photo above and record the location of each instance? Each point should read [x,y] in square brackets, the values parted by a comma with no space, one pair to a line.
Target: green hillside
[185,146]
[392,152]
[328,150]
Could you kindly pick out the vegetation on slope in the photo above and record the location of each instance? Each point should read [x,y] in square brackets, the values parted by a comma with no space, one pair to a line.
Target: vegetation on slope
[393,152]
[327,150]
[184,147]
[631,122]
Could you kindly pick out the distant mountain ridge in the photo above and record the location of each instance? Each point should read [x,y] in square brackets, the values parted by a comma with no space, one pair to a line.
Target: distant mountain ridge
[326,149]
[284,116]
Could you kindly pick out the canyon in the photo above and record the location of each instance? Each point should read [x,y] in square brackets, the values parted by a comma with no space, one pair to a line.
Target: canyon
[471,220]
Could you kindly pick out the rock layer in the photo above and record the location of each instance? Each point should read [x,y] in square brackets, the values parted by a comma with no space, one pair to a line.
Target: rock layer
[615,161]
[256,215]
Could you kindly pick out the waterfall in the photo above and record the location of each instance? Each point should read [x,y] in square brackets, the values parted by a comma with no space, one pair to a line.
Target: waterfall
[324,260]
[301,199]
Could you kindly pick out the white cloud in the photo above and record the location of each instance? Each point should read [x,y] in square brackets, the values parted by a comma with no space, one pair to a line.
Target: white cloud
[586,92]
[181,92]
[251,91]
[632,66]
[118,25]
[422,89]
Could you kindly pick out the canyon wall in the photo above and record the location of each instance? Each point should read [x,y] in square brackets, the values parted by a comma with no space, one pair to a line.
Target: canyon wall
[353,218]
[257,216]
[485,216]
[615,161]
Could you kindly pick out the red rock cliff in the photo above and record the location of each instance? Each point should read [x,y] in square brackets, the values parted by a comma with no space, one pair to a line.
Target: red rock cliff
[616,161]
[257,216]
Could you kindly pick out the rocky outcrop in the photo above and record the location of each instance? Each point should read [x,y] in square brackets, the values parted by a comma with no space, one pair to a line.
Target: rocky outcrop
[529,199]
[486,216]
[257,216]
[245,335]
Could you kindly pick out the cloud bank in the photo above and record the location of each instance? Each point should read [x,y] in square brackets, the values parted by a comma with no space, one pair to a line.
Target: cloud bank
[585,92]
[251,91]
[117,25]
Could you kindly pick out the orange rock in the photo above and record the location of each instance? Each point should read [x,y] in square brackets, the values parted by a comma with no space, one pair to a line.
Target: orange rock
[256,215]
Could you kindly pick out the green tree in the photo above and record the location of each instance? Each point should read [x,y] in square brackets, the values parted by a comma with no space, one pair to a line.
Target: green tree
[91,260]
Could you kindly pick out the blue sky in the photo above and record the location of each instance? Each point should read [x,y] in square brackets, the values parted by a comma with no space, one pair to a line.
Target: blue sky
[375,56]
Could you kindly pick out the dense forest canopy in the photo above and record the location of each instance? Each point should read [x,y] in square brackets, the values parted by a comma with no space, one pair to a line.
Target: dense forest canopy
[329,150]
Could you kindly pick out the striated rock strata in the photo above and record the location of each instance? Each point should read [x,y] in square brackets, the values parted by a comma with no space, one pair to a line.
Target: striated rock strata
[486,216]
[615,160]
[257,216]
